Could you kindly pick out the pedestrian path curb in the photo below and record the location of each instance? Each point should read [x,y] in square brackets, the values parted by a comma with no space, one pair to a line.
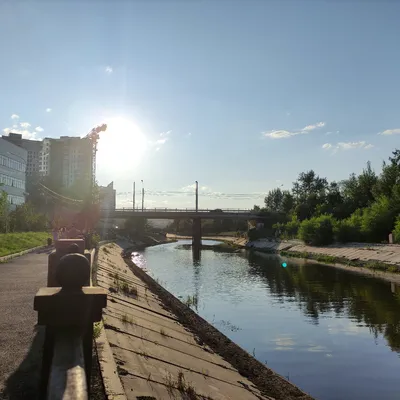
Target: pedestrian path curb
[22,253]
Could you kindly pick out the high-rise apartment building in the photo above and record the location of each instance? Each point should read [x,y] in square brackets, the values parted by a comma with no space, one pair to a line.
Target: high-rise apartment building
[69,159]
[13,161]
[33,148]
[64,160]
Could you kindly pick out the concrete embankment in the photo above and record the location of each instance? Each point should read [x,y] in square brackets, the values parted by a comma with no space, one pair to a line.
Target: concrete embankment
[164,350]
[378,260]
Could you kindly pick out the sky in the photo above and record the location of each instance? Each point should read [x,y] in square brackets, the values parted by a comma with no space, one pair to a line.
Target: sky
[241,96]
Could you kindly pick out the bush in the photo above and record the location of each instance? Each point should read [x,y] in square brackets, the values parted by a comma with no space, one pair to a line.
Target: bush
[288,230]
[378,220]
[317,231]
[348,230]
[396,231]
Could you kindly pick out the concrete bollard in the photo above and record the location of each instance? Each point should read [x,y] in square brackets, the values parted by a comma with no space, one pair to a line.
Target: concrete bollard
[63,247]
[68,312]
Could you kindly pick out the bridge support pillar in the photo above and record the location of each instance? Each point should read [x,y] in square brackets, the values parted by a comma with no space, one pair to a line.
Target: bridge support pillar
[196,234]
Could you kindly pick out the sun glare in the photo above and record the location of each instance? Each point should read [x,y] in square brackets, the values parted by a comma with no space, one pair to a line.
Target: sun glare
[122,146]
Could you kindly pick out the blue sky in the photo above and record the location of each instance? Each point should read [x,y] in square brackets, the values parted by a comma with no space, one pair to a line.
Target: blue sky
[239,95]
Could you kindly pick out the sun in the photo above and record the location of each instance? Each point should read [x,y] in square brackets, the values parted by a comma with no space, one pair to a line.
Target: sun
[121,147]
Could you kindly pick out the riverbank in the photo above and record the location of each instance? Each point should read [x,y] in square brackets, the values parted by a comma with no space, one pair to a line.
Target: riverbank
[141,242]
[378,260]
[16,242]
[163,349]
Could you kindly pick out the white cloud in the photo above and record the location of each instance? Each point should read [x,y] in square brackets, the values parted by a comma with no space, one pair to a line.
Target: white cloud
[282,134]
[26,134]
[48,110]
[390,132]
[309,128]
[22,128]
[348,146]
[109,70]
[162,139]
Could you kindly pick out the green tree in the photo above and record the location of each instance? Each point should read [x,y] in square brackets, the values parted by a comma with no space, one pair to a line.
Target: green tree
[4,212]
[378,220]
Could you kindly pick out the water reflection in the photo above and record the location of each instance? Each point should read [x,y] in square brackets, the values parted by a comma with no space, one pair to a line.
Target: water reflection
[196,254]
[326,329]
[319,291]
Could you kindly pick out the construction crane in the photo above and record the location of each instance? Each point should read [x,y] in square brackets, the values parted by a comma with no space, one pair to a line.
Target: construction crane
[94,136]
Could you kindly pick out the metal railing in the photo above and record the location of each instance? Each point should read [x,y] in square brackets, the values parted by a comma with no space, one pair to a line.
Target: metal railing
[183,210]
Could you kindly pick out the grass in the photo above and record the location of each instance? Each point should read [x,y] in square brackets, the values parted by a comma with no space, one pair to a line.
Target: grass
[184,387]
[122,285]
[126,319]
[97,327]
[191,301]
[11,243]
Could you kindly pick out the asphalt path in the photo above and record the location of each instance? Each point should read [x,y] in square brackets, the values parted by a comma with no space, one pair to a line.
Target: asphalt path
[20,340]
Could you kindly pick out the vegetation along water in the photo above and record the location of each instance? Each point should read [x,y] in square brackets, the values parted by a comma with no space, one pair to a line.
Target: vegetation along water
[333,333]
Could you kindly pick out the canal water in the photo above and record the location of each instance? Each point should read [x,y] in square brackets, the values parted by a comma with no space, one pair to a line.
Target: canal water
[333,333]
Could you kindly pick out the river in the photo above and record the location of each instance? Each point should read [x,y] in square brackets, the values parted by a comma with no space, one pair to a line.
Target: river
[333,333]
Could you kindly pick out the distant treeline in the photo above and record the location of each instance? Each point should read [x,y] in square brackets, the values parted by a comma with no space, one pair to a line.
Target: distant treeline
[362,208]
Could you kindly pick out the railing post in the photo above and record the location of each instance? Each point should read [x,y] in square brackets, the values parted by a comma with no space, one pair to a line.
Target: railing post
[68,312]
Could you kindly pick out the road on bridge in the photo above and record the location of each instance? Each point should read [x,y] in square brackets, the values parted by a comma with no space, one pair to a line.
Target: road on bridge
[20,341]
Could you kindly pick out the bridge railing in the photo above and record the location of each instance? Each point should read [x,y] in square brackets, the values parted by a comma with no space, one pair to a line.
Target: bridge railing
[183,210]
[68,310]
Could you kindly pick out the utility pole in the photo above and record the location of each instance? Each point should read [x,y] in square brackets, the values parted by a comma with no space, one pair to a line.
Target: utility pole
[142,196]
[133,196]
[197,196]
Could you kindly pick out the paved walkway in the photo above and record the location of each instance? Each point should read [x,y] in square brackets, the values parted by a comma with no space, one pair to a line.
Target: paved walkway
[20,341]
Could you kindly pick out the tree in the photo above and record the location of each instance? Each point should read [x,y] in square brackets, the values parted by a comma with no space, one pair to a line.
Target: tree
[308,183]
[24,219]
[358,192]
[278,200]
[273,200]
[4,211]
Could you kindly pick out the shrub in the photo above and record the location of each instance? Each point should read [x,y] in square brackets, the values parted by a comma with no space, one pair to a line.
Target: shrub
[378,220]
[348,230]
[396,231]
[317,231]
[288,230]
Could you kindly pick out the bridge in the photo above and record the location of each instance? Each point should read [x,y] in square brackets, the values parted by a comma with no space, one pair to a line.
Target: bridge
[181,213]
[187,213]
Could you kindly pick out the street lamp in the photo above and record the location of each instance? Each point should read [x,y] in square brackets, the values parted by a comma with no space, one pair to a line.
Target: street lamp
[197,196]
[142,195]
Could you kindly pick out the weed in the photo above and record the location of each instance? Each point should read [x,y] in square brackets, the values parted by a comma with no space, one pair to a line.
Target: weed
[97,326]
[192,301]
[184,387]
[128,290]
[126,319]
